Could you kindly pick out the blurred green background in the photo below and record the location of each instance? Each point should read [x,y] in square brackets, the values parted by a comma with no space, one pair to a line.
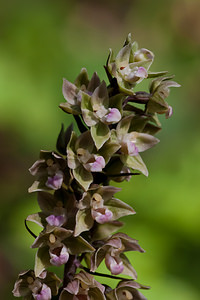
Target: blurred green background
[43,41]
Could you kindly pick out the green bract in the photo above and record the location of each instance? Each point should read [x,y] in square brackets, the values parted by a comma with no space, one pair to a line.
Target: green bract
[79,217]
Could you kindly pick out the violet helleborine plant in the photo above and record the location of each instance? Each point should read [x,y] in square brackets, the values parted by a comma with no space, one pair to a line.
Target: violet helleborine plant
[79,213]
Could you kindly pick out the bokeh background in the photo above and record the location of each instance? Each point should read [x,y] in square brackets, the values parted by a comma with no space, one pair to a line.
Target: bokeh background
[43,41]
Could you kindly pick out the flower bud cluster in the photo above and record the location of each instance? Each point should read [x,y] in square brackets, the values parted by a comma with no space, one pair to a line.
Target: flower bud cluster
[79,214]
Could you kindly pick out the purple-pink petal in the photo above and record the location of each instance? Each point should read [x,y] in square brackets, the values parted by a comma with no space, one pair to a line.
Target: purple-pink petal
[102,218]
[55,220]
[45,293]
[56,181]
[97,165]
[116,267]
[132,149]
[113,116]
[141,73]
[73,287]
[62,258]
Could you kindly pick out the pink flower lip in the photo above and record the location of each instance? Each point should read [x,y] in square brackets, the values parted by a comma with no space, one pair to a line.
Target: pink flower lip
[141,73]
[113,264]
[45,293]
[102,218]
[57,221]
[59,256]
[56,181]
[113,116]
[97,165]
[132,149]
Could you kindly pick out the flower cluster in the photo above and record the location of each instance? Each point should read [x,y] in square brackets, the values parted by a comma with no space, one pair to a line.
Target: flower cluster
[79,214]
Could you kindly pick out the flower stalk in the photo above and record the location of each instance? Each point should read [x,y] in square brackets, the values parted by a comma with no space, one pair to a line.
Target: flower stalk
[79,212]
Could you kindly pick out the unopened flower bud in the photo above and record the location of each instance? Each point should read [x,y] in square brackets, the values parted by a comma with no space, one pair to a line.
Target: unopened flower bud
[143,54]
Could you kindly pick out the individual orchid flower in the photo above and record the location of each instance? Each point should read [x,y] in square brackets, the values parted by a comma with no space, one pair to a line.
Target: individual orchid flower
[31,287]
[99,111]
[99,205]
[50,171]
[126,290]
[82,159]
[113,251]
[57,210]
[159,90]
[133,142]
[130,66]
[72,92]
[83,287]
[54,247]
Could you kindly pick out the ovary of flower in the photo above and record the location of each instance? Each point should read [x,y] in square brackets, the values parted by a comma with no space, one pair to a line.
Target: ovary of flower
[102,215]
[114,264]
[56,181]
[44,294]
[59,256]
[96,165]
[55,220]
[113,116]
